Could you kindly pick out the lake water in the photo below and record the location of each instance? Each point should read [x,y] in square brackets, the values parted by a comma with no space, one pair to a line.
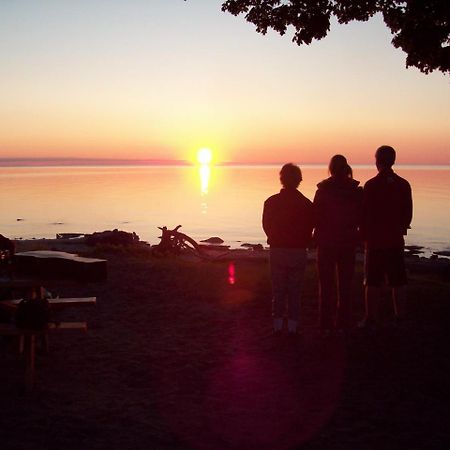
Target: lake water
[216,201]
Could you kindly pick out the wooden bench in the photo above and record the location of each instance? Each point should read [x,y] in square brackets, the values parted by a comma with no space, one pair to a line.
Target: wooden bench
[28,342]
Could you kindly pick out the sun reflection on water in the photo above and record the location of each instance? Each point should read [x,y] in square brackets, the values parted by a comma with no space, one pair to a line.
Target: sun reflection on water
[204,157]
[205,175]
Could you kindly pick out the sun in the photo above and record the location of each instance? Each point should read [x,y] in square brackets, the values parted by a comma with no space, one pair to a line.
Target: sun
[204,156]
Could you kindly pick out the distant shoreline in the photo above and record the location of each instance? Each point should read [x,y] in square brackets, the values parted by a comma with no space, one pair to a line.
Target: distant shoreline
[82,163]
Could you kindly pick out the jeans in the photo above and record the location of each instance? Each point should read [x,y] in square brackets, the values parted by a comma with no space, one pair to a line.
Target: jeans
[336,266]
[287,266]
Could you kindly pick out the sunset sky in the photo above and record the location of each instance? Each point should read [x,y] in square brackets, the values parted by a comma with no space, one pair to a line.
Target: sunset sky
[159,79]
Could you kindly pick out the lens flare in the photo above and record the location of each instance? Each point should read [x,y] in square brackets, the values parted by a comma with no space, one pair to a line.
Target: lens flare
[231,273]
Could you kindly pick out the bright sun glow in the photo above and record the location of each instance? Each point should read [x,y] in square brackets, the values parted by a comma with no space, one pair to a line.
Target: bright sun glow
[204,156]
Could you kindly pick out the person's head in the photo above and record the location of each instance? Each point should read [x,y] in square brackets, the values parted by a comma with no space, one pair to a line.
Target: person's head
[290,176]
[339,167]
[385,157]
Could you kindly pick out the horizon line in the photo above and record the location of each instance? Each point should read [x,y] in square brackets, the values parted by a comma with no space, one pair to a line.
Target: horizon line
[74,162]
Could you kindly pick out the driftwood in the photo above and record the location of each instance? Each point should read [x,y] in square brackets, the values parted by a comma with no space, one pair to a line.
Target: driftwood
[173,242]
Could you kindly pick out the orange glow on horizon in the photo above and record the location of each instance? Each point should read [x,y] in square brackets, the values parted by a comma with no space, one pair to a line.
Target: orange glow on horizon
[273,138]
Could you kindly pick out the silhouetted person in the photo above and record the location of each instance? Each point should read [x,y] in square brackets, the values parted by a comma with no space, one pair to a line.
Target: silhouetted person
[287,222]
[337,207]
[387,214]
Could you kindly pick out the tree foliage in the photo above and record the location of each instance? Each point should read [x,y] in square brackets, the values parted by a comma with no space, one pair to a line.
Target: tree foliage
[421,28]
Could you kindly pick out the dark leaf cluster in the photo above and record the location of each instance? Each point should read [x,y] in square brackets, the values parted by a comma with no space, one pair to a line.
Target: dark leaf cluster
[421,28]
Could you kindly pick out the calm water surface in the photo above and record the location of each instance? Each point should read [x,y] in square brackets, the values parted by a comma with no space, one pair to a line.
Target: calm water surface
[216,201]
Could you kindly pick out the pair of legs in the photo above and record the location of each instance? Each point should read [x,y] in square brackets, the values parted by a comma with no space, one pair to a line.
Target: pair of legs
[336,266]
[381,266]
[287,266]
[373,297]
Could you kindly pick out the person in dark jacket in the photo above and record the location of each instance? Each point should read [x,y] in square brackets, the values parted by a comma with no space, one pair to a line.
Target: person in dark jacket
[337,208]
[288,222]
[387,215]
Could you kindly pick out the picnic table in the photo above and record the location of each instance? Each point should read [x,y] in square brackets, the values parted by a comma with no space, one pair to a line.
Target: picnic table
[55,303]
[56,264]
[28,337]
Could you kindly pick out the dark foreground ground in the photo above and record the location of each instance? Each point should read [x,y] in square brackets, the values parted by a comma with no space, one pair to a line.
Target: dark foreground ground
[177,358]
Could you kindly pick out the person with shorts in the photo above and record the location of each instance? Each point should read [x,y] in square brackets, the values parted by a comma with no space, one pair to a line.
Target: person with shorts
[387,215]
[288,223]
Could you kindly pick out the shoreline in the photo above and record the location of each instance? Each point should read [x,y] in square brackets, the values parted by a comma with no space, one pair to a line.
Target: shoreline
[412,251]
[415,262]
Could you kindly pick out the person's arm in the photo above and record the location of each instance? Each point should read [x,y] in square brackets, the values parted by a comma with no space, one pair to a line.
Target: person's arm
[408,208]
[364,217]
[359,214]
[318,210]
[267,219]
[311,225]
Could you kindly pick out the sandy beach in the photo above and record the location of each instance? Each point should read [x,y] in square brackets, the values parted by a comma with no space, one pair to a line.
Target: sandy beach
[175,357]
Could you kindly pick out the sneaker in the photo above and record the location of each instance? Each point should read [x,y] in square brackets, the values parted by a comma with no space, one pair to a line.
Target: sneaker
[292,326]
[277,326]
